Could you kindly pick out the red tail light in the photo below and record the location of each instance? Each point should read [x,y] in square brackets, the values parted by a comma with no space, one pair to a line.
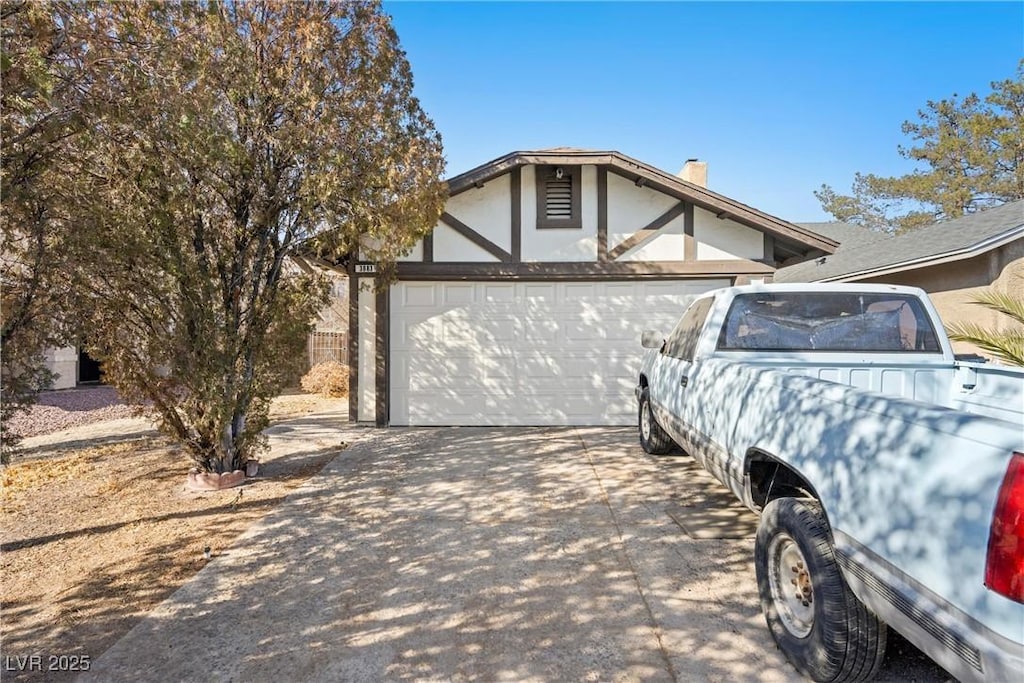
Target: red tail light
[1004,565]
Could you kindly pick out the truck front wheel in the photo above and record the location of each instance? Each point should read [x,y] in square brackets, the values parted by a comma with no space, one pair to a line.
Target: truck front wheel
[817,621]
[652,437]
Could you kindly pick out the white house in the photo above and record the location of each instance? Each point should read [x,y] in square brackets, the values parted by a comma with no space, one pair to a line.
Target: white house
[525,304]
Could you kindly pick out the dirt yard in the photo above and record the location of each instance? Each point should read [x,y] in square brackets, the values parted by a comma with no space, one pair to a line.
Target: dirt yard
[96,535]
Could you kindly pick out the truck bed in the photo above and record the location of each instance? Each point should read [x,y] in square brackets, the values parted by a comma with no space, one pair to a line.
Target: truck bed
[977,388]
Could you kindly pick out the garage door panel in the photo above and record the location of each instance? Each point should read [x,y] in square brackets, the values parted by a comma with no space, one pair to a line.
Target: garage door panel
[525,353]
[417,334]
[617,367]
[537,330]
[585,330]
[458,294]
[463,373]
[419,296]
[468,334]
[584,291]
[622,331]
[499,293]
[545,292]
[460,409]
[621,291]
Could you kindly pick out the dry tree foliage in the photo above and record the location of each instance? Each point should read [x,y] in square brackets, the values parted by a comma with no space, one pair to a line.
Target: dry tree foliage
[213,142]
[329,379]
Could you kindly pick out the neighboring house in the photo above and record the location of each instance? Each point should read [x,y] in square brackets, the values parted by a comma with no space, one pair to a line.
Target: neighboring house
[327,341]
[72,367]
[525,304]
[952,261]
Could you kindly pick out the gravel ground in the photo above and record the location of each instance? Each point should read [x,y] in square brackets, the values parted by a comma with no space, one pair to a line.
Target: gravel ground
[59,410]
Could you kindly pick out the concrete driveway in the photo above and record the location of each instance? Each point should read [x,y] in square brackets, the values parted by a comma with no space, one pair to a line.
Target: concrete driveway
[478,554]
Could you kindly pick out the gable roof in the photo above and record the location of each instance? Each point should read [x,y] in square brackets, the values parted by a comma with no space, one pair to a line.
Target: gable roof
[876,254]
[791,240]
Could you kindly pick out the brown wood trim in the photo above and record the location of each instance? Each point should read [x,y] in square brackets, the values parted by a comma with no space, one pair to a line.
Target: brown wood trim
[648,231]
[655,178]
[769,250]
[428,247]
[353,343]
[576,183]
[602,213]
[475,237]
[383,348]
[689,241]
[589,270]
[517,214]
[718,204]
[468,180]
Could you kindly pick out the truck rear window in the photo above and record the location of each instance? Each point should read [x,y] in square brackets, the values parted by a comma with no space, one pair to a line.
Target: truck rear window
[828,321]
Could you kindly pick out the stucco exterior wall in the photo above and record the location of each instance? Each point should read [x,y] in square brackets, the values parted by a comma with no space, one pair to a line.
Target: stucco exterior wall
[64,362]
[451,246]
[560,244]
[485,209]
[630,208]
[367,353]
[725,239]
[951,286]
[415,255]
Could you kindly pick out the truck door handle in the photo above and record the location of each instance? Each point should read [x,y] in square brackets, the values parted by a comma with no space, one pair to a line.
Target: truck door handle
[684,381]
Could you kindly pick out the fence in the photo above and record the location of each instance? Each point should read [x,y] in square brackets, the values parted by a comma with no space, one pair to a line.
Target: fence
[325,346]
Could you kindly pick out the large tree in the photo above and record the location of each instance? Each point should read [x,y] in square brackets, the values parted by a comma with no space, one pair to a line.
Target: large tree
[222,139]
[971,157]
[41,65]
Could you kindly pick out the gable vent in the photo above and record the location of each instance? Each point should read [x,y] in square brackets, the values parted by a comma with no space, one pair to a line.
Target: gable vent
[559,198]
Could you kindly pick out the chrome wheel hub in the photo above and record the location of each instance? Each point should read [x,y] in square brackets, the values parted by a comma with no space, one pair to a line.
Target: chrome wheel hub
[791,587]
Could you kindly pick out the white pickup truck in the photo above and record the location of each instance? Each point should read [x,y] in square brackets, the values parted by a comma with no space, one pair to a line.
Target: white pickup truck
[888,475]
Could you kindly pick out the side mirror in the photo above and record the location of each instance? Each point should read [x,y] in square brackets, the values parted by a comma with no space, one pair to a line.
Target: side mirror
[651,339]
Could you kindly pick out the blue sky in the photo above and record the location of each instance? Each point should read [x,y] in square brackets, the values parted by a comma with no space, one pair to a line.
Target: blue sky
[777,98]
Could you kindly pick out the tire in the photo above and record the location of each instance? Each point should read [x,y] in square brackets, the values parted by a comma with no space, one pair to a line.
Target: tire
[817,621]
[652,437]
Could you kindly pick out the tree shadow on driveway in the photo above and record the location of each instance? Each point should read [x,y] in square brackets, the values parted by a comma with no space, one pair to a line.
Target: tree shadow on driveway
[467,554]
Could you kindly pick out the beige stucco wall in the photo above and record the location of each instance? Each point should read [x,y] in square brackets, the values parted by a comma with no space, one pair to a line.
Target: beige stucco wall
[952,285]
[725,239]
[367,353]
[63,362]
[486,209]
[630,208]
[559,244]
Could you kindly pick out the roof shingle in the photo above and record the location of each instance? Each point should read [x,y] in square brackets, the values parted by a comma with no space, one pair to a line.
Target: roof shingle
[871,252]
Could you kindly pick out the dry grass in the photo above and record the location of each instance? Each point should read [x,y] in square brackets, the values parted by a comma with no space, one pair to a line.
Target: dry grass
[94,538]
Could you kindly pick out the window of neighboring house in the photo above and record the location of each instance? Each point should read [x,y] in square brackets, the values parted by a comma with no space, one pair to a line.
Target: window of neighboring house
[558,197]
[89,370]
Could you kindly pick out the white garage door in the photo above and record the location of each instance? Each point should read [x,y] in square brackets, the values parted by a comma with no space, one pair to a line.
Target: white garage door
[525,353]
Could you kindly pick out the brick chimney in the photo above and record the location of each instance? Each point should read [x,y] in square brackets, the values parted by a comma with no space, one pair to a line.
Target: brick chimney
[695,171]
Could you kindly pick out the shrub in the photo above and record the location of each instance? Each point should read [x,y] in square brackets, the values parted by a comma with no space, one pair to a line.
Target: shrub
[329,378]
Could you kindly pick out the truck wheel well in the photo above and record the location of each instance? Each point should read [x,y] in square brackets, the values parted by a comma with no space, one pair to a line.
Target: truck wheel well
[643,381]
[770,479]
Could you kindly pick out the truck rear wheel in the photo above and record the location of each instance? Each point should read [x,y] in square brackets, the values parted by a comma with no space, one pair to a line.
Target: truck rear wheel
[652,437]
[817,621]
